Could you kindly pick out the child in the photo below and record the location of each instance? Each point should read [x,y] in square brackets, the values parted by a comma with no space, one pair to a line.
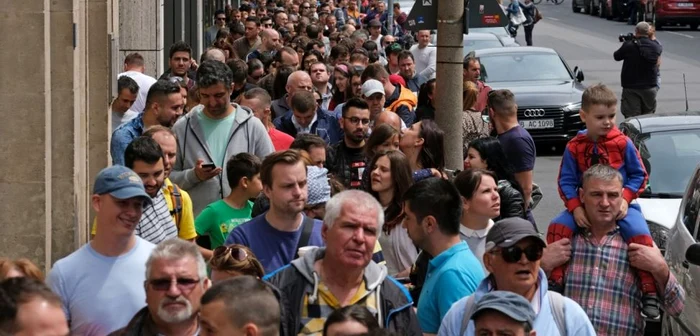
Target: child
[603,143]
[220,217]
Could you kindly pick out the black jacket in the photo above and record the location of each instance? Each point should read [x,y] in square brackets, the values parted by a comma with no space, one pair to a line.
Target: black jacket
[296,280]
[347,165]
[639,69]
[512,204]
[140,325]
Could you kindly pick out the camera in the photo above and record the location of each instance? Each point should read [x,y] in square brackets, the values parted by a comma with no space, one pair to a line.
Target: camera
[626,37]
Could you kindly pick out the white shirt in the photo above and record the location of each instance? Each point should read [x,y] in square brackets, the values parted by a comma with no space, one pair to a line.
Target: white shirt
[476,239]
[301,129]
[425,60]
[144,82]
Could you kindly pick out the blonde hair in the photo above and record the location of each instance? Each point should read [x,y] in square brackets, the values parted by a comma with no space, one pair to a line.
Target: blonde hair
[226,263]
[470,93]
[23,265]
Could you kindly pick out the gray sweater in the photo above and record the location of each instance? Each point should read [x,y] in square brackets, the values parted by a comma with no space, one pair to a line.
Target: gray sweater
[247,135]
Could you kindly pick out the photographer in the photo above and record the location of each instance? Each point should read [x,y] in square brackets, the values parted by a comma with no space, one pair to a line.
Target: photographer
[639,74]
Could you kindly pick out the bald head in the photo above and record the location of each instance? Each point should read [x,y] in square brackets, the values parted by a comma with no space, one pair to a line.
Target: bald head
[388,117]
[270,39]
[213,54]
[299,80]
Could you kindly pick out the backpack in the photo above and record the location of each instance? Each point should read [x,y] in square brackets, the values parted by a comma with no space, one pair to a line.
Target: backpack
[556,301]
[176,198]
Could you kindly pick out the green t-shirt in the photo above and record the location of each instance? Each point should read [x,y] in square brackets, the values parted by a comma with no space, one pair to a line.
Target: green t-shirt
[217,132]
[219,218]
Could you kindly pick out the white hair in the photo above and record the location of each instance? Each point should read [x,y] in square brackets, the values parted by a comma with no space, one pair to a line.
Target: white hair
[362,201]
[177,249]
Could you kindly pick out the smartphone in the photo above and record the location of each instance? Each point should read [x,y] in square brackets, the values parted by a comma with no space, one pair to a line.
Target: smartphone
[208,166]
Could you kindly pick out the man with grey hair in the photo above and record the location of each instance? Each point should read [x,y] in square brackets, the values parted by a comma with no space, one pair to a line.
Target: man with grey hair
[213,54]
[639,75]
[176,279]
[343,273]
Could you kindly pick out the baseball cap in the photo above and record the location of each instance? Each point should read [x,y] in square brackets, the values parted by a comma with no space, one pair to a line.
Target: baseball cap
[509,231]
[372,86]
[508,303]
[120,182]
[375,23]
[317,183]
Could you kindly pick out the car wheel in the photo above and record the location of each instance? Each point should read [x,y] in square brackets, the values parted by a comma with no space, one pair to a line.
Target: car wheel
[602,9]
[574,8]
[592,8]
[693,26]
[659,25]
[585,6]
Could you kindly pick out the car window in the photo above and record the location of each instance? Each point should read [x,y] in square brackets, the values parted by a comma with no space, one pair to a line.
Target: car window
[473,45]
[670,158]
[692,206]
[523,67]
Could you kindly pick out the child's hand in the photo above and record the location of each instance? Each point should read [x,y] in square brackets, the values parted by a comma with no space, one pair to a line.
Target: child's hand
[623,210]
[580,218]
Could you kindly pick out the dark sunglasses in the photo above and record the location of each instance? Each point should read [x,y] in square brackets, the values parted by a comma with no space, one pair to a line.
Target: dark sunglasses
[513,254]
[183,284]
[235,253]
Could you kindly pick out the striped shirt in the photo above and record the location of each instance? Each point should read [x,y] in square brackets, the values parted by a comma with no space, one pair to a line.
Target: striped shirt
[601,280]
[156,224]
[315,312]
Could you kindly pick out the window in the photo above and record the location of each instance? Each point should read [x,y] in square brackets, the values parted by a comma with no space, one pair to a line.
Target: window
[692,206]
[518,67]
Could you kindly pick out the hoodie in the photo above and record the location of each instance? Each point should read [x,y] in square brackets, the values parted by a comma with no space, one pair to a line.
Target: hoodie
[639,69]
[247,135]
[294,281]
[402,102]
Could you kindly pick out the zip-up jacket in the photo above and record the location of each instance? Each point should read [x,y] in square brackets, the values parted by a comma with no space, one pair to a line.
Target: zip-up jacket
[325,126]
[402,102]
[298,279]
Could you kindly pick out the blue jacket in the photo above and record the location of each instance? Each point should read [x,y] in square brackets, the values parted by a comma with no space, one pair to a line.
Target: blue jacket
[577,322]
[326,126]
[122,137]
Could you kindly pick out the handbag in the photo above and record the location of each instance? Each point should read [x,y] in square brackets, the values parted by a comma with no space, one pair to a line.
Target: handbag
[538,16]
[519,18]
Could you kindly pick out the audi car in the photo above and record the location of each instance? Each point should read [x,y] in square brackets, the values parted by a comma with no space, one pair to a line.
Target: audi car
[547,91]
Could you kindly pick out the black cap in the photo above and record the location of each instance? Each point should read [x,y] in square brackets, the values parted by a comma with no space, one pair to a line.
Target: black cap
[509,231]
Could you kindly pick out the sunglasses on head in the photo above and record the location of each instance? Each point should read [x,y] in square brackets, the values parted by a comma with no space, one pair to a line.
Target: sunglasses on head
[183,284]
[236,253]
[513,254]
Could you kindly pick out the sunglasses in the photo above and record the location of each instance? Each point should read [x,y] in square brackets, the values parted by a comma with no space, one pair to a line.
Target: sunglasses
[236,253]
[183,284]
[513,254]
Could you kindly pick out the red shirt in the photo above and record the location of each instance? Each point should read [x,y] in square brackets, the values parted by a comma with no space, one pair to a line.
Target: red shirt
[481,100]
[280,140]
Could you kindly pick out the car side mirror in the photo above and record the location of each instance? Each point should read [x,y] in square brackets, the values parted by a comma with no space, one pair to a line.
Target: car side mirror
[692,254]
[578,73]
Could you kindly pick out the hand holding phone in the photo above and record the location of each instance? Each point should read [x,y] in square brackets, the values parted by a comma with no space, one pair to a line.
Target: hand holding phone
[205,171]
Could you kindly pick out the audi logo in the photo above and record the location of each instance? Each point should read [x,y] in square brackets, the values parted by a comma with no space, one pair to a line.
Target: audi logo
[533,113]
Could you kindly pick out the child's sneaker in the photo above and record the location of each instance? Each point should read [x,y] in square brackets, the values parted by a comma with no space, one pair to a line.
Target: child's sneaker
[650,306]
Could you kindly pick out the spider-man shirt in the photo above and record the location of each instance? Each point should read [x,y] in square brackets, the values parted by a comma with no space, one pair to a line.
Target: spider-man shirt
[614,149]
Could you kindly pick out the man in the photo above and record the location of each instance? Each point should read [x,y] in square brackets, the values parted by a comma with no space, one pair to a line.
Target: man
[269,44]
[285,57]
[30,308]
[307,117]
[176,279]
[256,71]
[503,313]
[243,305]
[472,72]
[127,93]
[343,273]
[219,23]
[398,98]
[375,31]
[251,39]
[433,209]
[211,133]
[213,54]
[281,19]
[101,284]
[239,70]
[391,118]
[640,71]
[319,77]
[391,53]
[515,140]
[265,21]
[313,145]
[601,262]
[373,94]
[297,81]
[164,106]
[180,62]
[259,101]
[346,160]
[407,70]
[424,56]
[512,256]
[276,236]
[134,67]
[401,18]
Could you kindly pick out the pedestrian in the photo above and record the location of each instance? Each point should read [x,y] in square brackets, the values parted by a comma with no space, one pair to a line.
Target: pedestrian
[314,146]
[398,99]
[424,55]
[407,66]
[120,108]
[30,308]
[307,116]
[346,160]
[532,16]
[350,320]
[343,273]
[134,67]
[502,312]
[423,144]
[473,124]
[620,310]
[21,267]
[181,63]
[231,261]
[426,104]
[472,72]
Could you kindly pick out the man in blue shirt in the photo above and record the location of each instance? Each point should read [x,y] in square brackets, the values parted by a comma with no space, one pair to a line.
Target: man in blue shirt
[275,236]
[433,210]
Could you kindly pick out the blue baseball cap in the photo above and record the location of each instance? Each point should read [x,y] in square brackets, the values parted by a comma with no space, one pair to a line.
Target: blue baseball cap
[120,182]
[508,303]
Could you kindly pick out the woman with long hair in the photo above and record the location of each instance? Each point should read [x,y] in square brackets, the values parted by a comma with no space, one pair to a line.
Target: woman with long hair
[487,153]
[426,107]
[473,124]
[383,138]
[342,90]
[423,144]
[232,261]
[390,178]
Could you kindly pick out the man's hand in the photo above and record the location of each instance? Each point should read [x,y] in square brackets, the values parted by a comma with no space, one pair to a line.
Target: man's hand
[194,65]
[647,258]
[580,218]
[204,174]
[623,210]
[556,254]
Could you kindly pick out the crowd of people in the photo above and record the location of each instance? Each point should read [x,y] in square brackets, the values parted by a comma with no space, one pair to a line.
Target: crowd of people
[292,181]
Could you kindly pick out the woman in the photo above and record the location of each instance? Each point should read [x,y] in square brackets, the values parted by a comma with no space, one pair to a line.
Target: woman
[19,268]
[487,153]
[426,109]
[390,178]
[530,12]
[232,261]
[473,124]
[480,204]
[342,91]
[383,138]
[350,320]
[423,144]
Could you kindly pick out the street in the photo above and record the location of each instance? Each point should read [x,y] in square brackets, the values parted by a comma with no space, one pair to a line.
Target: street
[589,42]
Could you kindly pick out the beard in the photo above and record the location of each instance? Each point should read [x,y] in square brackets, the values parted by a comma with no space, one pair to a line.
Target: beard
[178,316]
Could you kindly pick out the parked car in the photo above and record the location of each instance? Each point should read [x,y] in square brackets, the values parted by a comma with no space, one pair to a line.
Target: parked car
[680,12]
[501,32]
[547,91]
[600,8]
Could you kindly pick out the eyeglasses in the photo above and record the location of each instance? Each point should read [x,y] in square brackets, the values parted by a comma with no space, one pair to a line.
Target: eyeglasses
[236,253]
[356,120]
[183,284]
[306,7]
[513,254]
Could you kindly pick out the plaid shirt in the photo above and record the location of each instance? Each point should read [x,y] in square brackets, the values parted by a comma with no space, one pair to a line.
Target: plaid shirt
[602,281]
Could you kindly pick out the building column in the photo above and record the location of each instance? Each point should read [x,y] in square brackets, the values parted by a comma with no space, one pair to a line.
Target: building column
[141,25]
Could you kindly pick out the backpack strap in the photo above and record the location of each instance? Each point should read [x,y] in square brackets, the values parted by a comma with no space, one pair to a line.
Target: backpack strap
[468,311]
[556,303]
[176,197]
[307,226]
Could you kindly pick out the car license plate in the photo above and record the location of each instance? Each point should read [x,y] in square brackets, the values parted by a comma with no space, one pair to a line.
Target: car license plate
[685,4]
[537,123]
